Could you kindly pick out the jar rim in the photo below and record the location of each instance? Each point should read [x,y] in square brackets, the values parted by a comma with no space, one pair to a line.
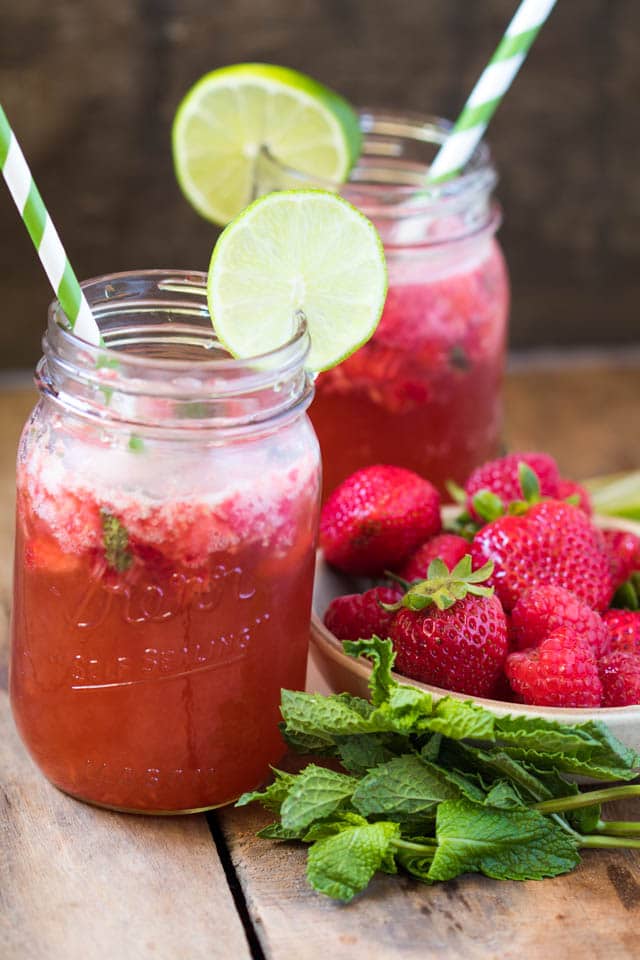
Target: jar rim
[161,312]
[478,174]
[186,282]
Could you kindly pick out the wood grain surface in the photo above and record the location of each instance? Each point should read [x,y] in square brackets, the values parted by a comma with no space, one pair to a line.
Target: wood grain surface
[84,884]
[92,88]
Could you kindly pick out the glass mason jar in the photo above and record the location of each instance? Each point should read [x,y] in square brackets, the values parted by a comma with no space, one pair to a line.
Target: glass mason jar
[425,391]
[166,526]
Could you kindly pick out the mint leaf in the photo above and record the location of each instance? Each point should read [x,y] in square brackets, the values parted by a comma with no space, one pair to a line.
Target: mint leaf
[358,754]
[116,542]
[381,652]
[543,736]
[406,786]
[324,718]
[461,719]
[503,844]
[275,831]
[316,793]
[273,796]
[408,710]
[503,795]
[342,865]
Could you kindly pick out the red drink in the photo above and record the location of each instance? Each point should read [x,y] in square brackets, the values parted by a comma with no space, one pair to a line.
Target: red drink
[162,594]
[425,391]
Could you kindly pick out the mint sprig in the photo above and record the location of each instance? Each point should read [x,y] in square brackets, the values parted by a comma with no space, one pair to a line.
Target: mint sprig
[440,788]
[116,542]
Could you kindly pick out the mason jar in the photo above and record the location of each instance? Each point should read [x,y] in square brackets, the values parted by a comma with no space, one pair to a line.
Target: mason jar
[425,391]
[166,526]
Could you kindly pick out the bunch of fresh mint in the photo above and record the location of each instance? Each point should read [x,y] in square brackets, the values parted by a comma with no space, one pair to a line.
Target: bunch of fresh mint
[439,789]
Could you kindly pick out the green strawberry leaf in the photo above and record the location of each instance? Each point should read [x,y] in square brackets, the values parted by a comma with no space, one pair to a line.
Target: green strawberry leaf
[343,864]
[488,505]
[529,483]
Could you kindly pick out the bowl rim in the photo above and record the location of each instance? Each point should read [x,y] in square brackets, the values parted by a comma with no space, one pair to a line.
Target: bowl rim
[327,644]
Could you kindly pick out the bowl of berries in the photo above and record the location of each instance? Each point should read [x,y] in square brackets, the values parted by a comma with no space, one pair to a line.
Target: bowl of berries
[519,597]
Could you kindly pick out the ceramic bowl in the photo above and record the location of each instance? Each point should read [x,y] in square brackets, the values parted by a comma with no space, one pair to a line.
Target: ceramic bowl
[331,670]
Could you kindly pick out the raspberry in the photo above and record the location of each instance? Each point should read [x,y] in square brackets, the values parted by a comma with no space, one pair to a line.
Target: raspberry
[448,547]
[561,672]
[543,610]
[620,677]
[624,630]
[357,616]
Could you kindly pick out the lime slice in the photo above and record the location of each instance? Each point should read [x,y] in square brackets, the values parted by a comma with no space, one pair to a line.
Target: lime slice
[291,254]
[231,113]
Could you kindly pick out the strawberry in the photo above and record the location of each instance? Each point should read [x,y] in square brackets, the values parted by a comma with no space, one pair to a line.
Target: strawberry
[623,549]
[624,630]
[552,543]
[450,632]
[376,517]
[620,678]
[569,488]
[449,547]
[561,672]
[357,616]
[502,478]
[543,610]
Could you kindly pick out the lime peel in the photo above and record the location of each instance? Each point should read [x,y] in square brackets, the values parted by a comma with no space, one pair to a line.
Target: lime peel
[293,253]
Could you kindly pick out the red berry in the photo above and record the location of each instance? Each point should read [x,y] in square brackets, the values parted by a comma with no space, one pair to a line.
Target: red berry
[561,672]
[624,630]
[462,648]
[623,549]
[542,610]
[552,543]
[620,678]
[569,488]
[376,517]
[357,616]
[448,547]
[501,477]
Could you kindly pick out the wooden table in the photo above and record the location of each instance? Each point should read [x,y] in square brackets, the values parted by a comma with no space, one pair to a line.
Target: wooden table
[83,884]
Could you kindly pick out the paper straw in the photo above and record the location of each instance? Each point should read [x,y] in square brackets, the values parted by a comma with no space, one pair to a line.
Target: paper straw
[492,85]
[44,235]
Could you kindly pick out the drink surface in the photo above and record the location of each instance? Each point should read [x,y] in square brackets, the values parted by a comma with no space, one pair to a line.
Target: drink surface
[424,393]
[147,675]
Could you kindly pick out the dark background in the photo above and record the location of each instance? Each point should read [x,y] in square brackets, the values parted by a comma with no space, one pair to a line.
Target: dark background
[91,87]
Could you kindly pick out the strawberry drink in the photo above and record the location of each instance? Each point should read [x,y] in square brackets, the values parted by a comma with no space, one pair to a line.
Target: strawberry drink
[167,513]
[424,392]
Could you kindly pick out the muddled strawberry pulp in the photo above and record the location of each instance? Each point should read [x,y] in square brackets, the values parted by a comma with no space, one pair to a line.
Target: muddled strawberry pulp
[151,638]
[424,393]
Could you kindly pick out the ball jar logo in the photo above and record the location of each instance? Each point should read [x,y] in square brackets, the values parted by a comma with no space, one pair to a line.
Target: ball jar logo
[151,602]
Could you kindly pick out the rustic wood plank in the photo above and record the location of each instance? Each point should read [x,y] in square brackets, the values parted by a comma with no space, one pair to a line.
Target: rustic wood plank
[87,884]
[592,912]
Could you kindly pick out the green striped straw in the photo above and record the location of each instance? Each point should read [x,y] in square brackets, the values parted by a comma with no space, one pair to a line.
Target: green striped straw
[44,235]
[492,85]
